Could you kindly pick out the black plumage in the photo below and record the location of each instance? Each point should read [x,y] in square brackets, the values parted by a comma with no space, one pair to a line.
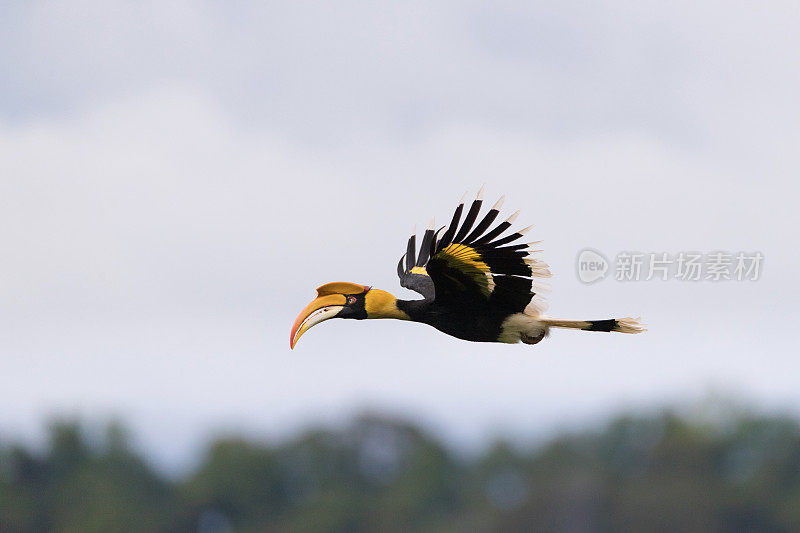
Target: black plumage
[471,283]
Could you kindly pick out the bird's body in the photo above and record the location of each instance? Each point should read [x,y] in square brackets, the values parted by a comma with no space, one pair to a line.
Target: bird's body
[476,325]
[466,324]
[476,286]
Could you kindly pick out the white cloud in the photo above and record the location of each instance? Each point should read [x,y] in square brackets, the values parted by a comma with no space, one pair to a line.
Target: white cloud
[190,176]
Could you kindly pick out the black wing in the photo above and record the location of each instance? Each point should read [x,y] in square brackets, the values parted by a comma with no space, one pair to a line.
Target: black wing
[474,266]
[413,275]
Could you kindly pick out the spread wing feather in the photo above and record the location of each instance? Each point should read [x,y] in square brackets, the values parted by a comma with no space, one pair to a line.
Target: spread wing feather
[472,267]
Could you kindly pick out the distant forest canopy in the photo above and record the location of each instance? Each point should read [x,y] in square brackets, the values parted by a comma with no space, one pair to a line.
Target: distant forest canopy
[664,472]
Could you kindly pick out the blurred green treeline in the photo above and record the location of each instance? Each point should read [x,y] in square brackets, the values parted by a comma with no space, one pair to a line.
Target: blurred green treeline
[663,472]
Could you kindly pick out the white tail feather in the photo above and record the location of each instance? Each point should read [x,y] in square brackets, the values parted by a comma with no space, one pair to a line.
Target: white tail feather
[621,325]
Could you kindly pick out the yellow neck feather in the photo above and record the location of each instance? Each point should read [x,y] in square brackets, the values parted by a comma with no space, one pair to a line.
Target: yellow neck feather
[381,304]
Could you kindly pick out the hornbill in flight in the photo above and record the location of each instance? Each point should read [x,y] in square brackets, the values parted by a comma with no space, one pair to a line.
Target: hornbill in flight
[476,285]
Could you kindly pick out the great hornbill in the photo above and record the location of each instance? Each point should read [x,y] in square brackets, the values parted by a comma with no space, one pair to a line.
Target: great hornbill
[476,285]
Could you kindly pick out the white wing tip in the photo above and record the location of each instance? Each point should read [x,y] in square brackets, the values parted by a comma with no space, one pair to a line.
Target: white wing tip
[432,224]
[499,203]
[538,268]
[480,192]
[525,230]
[512,218]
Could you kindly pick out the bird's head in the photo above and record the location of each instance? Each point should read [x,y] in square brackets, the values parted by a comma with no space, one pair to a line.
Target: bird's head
[341,299]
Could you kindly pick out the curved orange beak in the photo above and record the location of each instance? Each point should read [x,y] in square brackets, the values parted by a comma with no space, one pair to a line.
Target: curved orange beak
[329,301]
[320,309]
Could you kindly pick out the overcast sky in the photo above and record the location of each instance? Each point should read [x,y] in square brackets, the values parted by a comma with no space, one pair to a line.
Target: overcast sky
[176,178]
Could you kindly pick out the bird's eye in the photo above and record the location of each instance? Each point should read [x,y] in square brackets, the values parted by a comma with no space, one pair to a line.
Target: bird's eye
[351,300]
